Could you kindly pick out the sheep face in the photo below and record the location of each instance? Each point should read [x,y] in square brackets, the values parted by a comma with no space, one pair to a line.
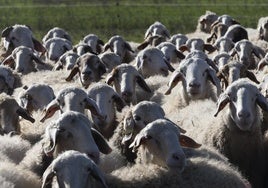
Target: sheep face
[155,29]
[124,78]
[110,60]
[73,169]
[106,99]
[223,44]
[170,52]
[178,40]
[243,98]
[8,80]
[152,61]
[161,139]
[56,47]
[94,42]
[56,32]
[71,131]
[67,61]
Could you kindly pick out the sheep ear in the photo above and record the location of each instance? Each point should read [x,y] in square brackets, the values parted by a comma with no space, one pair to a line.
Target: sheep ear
[37,59]
[50,142]
[110,77]
[120,104]
[93,107]
[48,177]
[186,141]
[261,64]
[223,100]
[179,54]
[138,141]
[258,52]
[50,110]
[101,142]
[141,82]
[38,46]
[232,52]
[170,68]
[23,113]
[262,102]
[143,45]
[214,79]
[175,78]
[8,60]
[184,48]
[209,48]
[100,42]
[73,72]
[251,76]
[6,32]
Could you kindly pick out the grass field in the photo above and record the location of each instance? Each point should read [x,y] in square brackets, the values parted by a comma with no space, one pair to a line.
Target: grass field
[127,18]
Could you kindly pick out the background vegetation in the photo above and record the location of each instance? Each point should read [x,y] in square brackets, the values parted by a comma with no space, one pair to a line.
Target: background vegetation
[127,18]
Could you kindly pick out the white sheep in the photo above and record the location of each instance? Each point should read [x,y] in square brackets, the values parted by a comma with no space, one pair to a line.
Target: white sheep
[178,40]
[119,46]
[55,47]
[10,112]
[71,99]
[223,44]
[66,61]
[82,48]
[19,35]
[108,102]
[25,60]
[157,28]
[110,60]
[205,21]
[221,59]
[73,169]
[151,41]
[94,42]
[56,32]
[35,97]
[9,80]
[124,78]
[152,61]
[89,68]
[262,28]
[236,132]
[196,44]
[195,75]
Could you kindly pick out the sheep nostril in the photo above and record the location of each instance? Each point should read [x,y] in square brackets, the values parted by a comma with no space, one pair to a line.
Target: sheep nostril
[176,156]
[194,85]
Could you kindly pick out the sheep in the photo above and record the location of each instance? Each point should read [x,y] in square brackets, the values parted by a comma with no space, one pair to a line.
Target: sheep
[73,169]
[178,40]
[66,61]
[83,48]
[217,30]
[226,19]
[36,97]
[233,71]
[244,50]
[221,59]
[110,60]
[13,147]
[262,28]
[18,177]
[106,99]
[119,46]
[223,44]
[161,141]
[237,132]
[157,28]
[170,52]
[196,44]
[56,47]
[236,33]
[56,32]
[19,35]
[24,59]
[71,99]
[262,64]
[195,75]
[89,68]
[152,61]
[10,112]
[71,131]
[205,21]
[94,42]
[124,78]
[9,80]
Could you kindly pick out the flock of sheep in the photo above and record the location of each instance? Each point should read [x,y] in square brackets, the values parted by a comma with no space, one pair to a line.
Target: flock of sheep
[173,111]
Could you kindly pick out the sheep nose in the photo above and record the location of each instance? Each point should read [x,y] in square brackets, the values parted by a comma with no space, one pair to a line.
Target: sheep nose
[194,84]
[176,156]
[243,59]
[126,94]
[243,114]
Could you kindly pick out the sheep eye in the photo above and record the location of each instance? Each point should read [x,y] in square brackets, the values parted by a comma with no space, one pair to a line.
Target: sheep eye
[137,118]
[148,137]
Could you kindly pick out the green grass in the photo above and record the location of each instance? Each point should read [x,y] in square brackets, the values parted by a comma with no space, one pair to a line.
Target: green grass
[127,18]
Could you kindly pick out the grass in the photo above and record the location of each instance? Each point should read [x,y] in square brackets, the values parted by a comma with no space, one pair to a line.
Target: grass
[127,18]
